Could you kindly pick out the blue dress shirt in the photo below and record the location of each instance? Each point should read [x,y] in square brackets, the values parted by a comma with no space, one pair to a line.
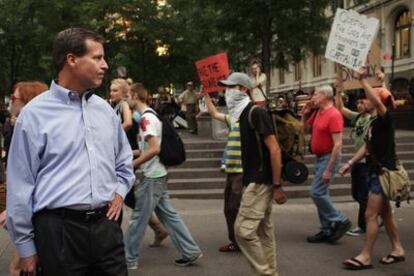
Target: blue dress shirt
[68,151]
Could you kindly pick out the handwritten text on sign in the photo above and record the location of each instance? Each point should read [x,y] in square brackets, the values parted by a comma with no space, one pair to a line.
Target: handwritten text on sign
[211,70]
[351,38]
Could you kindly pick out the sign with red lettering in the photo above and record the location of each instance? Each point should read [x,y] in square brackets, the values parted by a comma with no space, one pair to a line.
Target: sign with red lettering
[211,70]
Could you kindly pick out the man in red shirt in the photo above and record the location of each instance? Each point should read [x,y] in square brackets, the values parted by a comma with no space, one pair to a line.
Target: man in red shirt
[326,143]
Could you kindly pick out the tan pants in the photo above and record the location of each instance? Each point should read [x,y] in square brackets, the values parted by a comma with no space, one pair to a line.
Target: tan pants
[254,229]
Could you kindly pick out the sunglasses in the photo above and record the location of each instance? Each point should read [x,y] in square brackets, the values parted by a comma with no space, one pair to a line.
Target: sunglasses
[13,98]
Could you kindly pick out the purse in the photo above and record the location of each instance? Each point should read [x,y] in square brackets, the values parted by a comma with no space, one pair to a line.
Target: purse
[395,184]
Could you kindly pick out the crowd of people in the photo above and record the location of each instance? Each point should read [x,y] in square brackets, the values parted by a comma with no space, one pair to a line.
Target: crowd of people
[72,159]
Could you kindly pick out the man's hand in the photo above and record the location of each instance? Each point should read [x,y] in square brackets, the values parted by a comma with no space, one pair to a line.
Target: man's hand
[279,195]
[326,176]
[3,218]
[115,207]
[136,153]
[29,265]
[344,169]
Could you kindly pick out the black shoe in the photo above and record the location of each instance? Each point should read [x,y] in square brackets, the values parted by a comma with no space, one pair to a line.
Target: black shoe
[339,229]
[319,238]
[188,262]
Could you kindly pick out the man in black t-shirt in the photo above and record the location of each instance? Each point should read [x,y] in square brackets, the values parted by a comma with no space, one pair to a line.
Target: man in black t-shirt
[261,161]
[379,150]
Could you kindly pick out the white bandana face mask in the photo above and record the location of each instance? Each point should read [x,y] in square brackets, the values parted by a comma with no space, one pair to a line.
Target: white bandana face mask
[236,101]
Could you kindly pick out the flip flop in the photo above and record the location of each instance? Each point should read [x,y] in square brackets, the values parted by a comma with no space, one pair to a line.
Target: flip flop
[358,266]
[393,259]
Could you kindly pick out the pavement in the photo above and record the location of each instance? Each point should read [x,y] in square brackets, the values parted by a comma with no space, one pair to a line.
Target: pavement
[293,222]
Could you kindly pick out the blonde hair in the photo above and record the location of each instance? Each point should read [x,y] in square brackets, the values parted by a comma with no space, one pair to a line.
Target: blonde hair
[122,85]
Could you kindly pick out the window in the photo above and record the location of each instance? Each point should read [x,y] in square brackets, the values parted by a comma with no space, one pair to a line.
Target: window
[317,65]
[298,72]
[402,34]
[281,76]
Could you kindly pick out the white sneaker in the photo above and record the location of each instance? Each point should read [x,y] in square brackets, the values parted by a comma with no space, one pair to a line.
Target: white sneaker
[356,232]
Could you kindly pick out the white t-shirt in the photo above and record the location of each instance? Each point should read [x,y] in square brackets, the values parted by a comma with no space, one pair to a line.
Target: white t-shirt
[257,95]
[150,126]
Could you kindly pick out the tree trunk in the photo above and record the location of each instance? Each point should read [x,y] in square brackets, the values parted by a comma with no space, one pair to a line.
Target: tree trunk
[266,45]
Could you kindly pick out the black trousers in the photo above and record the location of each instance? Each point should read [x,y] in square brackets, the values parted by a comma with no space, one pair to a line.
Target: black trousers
[78,246]
[232,197]
[359,176]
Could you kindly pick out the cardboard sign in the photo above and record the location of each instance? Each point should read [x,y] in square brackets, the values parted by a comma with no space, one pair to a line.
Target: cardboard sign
[211,70]
[351,37]
[372,64]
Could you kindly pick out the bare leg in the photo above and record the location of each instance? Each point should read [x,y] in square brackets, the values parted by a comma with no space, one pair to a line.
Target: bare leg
[375,204]
[392,231]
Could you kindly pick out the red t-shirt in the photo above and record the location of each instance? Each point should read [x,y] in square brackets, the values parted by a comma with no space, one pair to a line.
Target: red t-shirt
[324,123]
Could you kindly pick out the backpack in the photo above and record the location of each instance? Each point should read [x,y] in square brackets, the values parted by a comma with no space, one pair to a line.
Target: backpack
[396,184]
[172,147]
[291,137]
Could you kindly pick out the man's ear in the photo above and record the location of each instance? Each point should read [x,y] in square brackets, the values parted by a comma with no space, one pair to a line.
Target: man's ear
[71,60]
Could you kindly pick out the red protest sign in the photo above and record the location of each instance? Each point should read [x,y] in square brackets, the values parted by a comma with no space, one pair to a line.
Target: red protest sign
[211,70]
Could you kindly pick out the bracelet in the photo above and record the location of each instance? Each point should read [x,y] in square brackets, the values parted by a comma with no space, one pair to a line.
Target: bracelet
[350,163]
[277,186]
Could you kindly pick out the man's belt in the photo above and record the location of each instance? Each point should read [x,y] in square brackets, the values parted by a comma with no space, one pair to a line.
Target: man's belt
[79,215]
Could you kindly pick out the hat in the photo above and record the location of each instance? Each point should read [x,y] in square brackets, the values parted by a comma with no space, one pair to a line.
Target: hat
[385,96]
[237,78]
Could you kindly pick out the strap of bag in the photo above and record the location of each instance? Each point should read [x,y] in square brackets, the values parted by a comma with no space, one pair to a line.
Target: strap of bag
[259,145]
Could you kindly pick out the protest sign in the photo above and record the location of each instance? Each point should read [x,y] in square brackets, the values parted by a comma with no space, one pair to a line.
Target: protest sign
[347,75]
[211,70]
[351,37]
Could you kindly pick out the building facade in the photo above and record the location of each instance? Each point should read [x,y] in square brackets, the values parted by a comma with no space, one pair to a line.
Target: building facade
[396,39]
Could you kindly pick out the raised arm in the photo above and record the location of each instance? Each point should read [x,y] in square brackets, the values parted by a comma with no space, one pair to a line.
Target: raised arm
[370,93]
[212,110]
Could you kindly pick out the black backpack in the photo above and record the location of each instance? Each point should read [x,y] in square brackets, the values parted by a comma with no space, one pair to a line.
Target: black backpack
[172,147]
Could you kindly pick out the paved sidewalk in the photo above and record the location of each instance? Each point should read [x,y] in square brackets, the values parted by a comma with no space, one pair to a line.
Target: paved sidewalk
[293,222]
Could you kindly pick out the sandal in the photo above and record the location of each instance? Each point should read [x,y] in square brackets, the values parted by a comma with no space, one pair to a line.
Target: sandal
[356,265]
[392,259]
[231,247]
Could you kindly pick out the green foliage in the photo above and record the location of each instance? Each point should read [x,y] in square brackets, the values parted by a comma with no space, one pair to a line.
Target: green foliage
[274,30]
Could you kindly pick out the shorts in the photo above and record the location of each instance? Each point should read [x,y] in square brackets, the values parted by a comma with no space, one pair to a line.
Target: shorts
[374,185]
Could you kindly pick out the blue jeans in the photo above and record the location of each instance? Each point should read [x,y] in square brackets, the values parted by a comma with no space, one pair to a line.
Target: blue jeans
[320,194]
[151,194]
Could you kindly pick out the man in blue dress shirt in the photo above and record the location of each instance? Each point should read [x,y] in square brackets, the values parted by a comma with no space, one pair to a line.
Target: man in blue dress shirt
[70,167]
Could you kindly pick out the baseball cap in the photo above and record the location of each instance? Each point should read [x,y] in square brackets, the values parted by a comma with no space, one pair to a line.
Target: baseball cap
[385,96]
[237,78]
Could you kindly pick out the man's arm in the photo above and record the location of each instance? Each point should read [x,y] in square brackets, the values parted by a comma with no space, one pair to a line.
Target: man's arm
[23,164]
[124,172]
[153,150]
[358,156]
[214,113]
[276,164]
[336,151]
[339,103]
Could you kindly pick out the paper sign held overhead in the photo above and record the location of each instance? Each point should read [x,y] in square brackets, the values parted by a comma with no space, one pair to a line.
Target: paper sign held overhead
[351,37]
[211,70]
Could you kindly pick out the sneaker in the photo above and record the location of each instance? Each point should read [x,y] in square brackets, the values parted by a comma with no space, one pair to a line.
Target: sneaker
[356,232]
[188,261]
[231,247]
[132,266]
[318,238]
[339,229]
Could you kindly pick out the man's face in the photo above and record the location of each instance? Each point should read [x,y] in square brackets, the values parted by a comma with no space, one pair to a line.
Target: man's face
[361,106]
[91,67]
[369,107]
[318,98]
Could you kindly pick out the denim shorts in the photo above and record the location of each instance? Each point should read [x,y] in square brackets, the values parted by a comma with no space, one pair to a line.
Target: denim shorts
[374,185]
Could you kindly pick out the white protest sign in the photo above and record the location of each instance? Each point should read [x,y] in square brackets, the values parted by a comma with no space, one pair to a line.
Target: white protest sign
[351,38]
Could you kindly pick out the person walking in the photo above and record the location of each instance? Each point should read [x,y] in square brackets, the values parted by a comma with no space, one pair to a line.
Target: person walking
[359,173]
[379,150]
[326,143]
[69,169]
[261,162]
[189,99]
[152,193]
[234,174]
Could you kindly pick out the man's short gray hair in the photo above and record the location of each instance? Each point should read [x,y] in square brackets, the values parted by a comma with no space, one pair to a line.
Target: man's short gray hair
[327,90]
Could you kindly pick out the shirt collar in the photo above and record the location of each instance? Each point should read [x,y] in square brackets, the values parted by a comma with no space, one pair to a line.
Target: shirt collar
[66,95]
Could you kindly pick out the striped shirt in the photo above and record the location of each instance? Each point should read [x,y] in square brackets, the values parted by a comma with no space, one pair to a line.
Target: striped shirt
[232,152]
